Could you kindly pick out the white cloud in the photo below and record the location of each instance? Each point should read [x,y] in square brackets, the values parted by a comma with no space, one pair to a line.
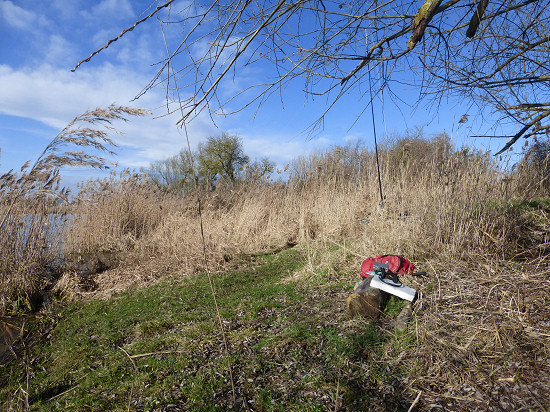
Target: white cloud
[164,139]
[143,51]
[103,35]
[18,17]
[281,149]
[54,97]
[66,10]
[113,9]
[106,20]
[58,51]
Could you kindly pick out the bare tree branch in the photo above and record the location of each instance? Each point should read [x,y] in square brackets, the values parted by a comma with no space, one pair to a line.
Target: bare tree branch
[476,18]
[239,53]
[123,33]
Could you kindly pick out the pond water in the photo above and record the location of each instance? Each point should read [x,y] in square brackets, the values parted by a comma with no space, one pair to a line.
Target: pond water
[51,228]
[26,232]
[9,334]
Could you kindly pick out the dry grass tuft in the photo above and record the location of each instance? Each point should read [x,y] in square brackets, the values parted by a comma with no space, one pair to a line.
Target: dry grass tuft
[482,333]
[31,212]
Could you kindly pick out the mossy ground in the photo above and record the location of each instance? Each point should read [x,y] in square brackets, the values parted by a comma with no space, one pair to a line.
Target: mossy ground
[292,346]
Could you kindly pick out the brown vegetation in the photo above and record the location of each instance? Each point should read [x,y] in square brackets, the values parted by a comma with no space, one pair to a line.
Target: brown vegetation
[476,230]
[439,205]
[31,212]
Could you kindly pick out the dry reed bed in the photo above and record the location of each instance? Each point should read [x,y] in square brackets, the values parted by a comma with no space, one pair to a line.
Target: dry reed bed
[31,218]
[437,203]
[447,208]
[483,338]
[481,325]
[28,246]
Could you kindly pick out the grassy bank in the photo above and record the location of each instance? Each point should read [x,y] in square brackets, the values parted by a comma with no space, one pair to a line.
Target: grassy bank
[289,345]
[137,328]
[292,344]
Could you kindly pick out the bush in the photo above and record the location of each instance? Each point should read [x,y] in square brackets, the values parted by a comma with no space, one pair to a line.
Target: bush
[409,155]
[533,171]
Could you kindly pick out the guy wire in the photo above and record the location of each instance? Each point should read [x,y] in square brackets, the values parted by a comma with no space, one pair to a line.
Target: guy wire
[375,143]
[205,258]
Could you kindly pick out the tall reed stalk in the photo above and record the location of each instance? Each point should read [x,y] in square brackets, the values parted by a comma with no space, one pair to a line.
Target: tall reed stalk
[439,201]
[31,204]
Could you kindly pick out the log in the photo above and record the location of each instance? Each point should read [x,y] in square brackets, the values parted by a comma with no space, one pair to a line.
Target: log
[402,320]
[366,301]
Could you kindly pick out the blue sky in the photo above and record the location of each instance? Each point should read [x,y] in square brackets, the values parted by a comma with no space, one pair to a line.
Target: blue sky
[39,95]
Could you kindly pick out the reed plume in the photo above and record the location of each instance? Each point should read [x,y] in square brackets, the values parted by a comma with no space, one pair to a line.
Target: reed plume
[30,200]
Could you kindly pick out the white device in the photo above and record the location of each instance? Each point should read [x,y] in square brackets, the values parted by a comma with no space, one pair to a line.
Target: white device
[397,289]
[380,280]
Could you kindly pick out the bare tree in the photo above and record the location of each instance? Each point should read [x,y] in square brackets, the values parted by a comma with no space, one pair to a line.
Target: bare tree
[174,173]
[218,159]
[494,52]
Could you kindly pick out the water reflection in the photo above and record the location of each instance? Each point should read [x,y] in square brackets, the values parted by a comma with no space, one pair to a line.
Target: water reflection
[9,334]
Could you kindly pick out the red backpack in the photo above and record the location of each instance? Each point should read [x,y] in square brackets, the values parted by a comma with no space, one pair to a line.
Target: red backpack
[397,264]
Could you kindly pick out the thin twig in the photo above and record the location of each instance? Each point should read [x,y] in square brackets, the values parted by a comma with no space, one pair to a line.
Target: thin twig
[122,34]
[415,401]
[162,352]
[64,392]
[136,371]
[209,275]
[336,401]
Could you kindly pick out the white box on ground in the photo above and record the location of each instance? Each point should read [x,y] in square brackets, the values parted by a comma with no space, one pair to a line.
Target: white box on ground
[397,289]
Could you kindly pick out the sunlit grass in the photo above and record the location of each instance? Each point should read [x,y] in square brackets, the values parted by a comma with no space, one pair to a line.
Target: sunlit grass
[161,345]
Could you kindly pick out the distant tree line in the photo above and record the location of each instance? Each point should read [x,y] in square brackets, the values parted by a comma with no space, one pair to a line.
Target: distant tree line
[220,160]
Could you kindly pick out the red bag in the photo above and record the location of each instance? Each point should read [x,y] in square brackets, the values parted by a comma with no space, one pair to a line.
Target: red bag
[397,264]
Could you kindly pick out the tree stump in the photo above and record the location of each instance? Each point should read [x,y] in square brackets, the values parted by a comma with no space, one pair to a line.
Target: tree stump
[366,301]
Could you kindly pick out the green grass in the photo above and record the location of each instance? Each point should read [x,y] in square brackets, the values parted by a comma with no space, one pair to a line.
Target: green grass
[292,347]
[533,204]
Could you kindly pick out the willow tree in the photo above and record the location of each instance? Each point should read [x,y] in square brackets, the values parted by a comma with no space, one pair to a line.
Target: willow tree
[493,52]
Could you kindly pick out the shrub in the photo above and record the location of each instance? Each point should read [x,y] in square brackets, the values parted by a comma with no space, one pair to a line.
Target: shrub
[533,171]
